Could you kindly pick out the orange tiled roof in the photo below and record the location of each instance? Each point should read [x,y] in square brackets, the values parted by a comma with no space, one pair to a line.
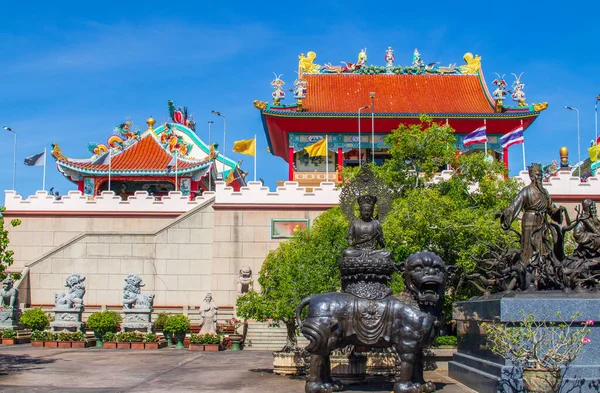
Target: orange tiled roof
[145,155]
[396,93]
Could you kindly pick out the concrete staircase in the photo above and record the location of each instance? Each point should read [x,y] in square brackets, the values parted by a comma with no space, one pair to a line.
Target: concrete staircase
[262,337]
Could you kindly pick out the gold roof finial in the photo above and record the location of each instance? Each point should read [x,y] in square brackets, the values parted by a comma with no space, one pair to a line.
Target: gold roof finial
[150,121]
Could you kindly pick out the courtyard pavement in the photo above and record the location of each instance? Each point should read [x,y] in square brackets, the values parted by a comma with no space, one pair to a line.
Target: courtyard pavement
[92,370]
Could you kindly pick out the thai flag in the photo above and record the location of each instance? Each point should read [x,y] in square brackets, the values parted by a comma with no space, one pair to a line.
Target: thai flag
[477,136]
[512,138]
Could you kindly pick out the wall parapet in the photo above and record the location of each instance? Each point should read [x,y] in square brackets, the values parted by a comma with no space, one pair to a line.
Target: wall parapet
[289,194]
[75,201]
[564,184]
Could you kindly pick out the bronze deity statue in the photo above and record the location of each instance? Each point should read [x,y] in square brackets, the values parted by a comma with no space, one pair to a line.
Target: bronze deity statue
[367,314]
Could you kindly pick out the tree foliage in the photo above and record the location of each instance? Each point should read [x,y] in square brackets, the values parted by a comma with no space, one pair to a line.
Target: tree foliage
[302,266]
[6,255]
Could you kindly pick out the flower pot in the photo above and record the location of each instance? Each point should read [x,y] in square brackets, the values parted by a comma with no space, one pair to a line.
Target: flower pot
[289,363]
[196,347]
[37,343]
[235,346]
[211,347]
[137,345]
[50,344]
[9,341]
[179,337]
[64,344]
[169,337]
[109,345]
[78,344]
[150,345]
[123,345]
[537,380]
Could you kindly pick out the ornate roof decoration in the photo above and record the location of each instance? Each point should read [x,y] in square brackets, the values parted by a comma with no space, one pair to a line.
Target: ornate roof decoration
[180,116]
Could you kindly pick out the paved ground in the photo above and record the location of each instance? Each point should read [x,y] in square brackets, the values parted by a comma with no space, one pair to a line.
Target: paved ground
[39,370]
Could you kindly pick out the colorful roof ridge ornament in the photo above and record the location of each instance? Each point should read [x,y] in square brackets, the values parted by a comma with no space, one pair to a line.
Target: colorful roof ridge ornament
[416,60]
[500,93]
[180,116]
[362,57]
[278,93]
[473,65]
[518,93]
[306,64]
[300,88]
[174,142]
[389,59]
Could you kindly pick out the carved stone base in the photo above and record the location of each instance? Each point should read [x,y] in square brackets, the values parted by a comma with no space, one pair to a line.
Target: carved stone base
[137,319]
[350,369]
[68,319]
[9,318]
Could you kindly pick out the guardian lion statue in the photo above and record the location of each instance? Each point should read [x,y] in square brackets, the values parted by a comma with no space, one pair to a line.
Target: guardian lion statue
[74,296]
[133,296]
[9,295]
[407,322]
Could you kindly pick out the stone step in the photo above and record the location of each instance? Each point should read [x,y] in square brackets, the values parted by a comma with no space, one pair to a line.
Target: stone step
[262,337]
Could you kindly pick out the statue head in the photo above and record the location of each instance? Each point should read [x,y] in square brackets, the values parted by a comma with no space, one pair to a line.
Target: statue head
[74,280]
[425,276]
[366,204]
[536,173]
[133,283]
[589,206]
[7,283]
[208,298]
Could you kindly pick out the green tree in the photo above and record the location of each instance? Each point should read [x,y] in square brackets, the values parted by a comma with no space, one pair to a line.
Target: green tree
[302,266]
[6,255]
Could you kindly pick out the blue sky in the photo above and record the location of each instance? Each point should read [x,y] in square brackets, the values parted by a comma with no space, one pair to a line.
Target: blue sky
[70,72]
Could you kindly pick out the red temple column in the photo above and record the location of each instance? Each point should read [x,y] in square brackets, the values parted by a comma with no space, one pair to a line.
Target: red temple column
[505,157]
[291,163]
[340,163]
[80,186]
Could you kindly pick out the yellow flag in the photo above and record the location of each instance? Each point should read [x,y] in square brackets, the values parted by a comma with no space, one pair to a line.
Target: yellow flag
[317,149]
[231,176]
[593,153]
[247,146]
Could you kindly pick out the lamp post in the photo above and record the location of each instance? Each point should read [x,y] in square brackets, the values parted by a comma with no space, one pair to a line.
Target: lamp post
[224,129]
[578,143]
[209,123]
[372,95]
[359,109]
[14,156]
[210,169]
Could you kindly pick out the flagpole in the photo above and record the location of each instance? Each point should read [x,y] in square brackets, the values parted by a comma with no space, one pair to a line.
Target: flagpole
[486,139]
[109,166]
[44,178]
[254,157]
[176,183]
[524,161]
[326,159]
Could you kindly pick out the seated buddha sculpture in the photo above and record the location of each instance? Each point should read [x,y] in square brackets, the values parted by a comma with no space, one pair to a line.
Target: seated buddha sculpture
[365,268]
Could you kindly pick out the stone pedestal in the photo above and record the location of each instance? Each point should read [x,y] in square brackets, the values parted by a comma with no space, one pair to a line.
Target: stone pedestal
[478,368]
[349,369]
[9,318]
[68,319]
[137,319]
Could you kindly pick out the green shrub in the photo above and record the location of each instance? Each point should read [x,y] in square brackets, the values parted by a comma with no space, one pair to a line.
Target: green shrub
[446,340]
[9,333]
[68,336]
[196,339]
[130,337]
[177,324]
[35,319]
[109,337]
[150,338]
[161,319]
[37,335]
[210,339]
[104,322]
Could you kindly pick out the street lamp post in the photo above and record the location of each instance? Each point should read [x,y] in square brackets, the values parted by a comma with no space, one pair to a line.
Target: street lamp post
[372,95]
[596,111]
[14,156]
[209,123]
[210,169]
[578,140]
[224,129]
[359,109]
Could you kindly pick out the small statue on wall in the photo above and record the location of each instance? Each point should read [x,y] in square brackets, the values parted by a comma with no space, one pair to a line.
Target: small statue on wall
[9,296]
[244,279]
[208,315]
[74,296]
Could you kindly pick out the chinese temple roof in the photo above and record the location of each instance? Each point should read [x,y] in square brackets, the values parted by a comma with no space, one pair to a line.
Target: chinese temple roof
[397,93]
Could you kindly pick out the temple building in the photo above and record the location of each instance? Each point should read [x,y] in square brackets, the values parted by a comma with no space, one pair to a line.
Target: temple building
[356,105]
[168,158]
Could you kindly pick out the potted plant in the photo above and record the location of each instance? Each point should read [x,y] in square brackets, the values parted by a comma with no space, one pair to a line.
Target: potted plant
[50,339]
[71,340]
[151,341]
[196,342]
[102,323]
[128,340]
[9,337]
[37,338]
[159,324]
[541,348]
[109,340]
[35,319]
[211,342]
[178,325]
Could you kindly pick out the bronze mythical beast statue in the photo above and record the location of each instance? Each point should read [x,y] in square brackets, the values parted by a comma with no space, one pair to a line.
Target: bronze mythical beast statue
[367,314]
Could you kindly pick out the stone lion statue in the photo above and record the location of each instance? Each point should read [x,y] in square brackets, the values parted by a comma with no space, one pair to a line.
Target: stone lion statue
[407,322]
[9,296]
[133,296]
[74,296]
[244,279]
